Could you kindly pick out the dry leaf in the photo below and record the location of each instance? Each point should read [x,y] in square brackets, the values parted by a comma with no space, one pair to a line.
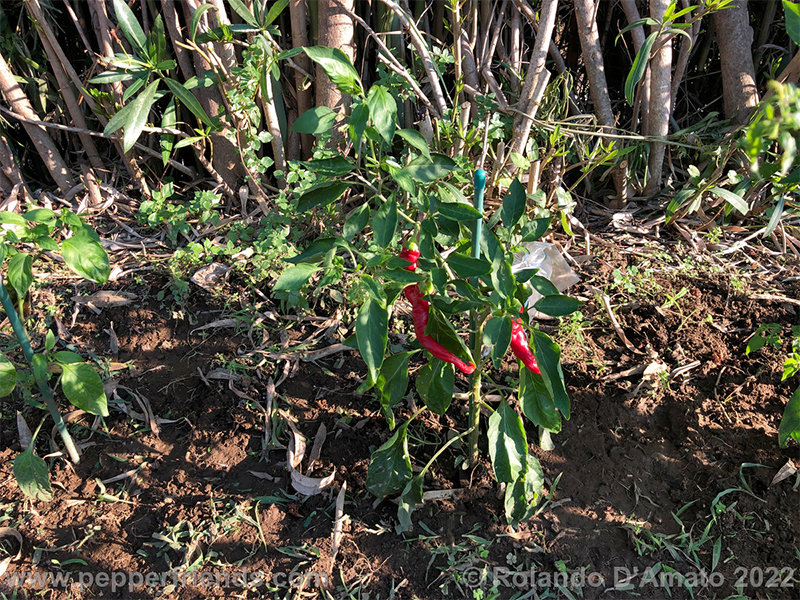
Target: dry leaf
[10,532]
[25,435]
[784,472]
[308,486]
[209,276]
[339,522]
[105,299]
[218,323]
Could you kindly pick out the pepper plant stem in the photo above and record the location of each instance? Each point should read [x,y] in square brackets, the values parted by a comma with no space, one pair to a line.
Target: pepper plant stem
[475,387]
[44,387]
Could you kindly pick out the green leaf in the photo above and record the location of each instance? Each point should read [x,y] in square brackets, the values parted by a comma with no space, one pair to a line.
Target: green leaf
[49,340]
[409,500]
[157,42]
[390,466]
[12,218]
[8,376]
[168,121]
[415,140]
[497,335]
[196,19]
[356,222]
[39,367]
[321,195]
[536,403]
[114,76]
[543,285]
[274,12]
[524,494]
[330,167]
[558,305]
[337,67]
[423,170]
[40,215]
[188,100]
[20,273]
[240,9]
[791,11]
[735,200]
[384,225]
[435,384]
[535,229]
[501,277]
[508,447]
[392,383]
[456,211]
[315,121]
[135,115]
[32,475]
[383,110]
[65,357]
[295,277]
[790,423]
[467,267]
[86,257]
[315,252]
[130,27]
[639,65]
[372,328]
[514,203]
[357,122]
[83,388]
[548,356]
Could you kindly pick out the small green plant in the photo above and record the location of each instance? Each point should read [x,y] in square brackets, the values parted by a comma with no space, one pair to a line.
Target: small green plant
[768,334]
[25,238]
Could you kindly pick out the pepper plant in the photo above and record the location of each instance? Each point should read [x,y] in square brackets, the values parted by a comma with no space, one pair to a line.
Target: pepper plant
[23,240]
[412,233]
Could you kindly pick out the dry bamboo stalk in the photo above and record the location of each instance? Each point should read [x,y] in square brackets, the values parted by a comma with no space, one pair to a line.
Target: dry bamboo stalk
[515,49]
[683,57]
[598,87]
[49,42]
[298,15]
[632,14]
[660,100]
[422,50]
[170,16]
[555,54]
[18,101]
[536,78]
[9,169]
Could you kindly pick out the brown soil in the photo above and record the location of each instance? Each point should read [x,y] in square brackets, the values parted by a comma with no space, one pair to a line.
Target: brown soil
[630,462]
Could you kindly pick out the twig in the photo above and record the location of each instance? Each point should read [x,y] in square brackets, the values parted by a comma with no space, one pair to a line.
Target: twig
[422,50]
[390,61]
[615,324]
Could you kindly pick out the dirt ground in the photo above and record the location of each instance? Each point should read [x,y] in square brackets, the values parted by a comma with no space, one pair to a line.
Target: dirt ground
[652,481]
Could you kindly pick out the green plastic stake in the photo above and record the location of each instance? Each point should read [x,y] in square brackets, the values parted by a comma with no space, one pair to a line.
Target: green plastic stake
[476,322]
[477,230]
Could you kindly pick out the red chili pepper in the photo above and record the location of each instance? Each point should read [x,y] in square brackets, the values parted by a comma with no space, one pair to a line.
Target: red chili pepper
[419,313]
[520,347]
[411,254]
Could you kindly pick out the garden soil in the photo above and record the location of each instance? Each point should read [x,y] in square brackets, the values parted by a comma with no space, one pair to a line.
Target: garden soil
[651,475]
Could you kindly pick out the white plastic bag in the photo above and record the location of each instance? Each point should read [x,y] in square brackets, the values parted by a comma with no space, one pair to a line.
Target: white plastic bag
[551,264]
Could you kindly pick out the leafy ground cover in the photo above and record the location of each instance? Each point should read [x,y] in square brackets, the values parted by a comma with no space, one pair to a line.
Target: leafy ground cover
[666,470]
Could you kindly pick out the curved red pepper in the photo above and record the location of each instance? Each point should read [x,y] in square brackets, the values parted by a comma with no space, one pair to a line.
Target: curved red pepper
[411,254]
[419,313]
[520,347]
